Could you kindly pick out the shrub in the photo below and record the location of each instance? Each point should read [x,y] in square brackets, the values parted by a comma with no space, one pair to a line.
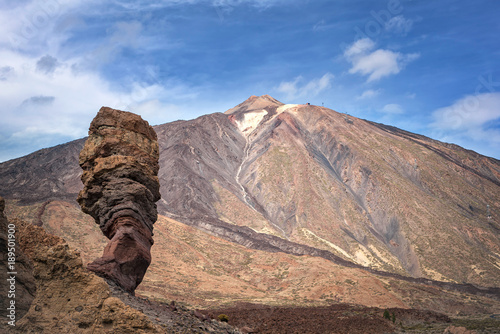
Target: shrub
[223,318]
[387,315]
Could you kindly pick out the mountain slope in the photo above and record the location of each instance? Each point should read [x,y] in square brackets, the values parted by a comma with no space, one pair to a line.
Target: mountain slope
[205,271]
[368,193]
[51,173]
[303,179]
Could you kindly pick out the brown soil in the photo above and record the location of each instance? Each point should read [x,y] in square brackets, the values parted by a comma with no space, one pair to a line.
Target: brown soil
[338,318]
[347,318]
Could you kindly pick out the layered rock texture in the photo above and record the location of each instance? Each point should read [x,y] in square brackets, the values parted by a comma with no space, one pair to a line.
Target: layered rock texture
[304,179]
[299,204]
[120,168]
[70,299]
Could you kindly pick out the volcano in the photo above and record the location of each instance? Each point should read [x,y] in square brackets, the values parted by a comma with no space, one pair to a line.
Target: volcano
[295,204]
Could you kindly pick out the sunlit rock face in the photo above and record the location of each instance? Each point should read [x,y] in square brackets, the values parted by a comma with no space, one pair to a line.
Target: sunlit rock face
[299,179]
[120,168]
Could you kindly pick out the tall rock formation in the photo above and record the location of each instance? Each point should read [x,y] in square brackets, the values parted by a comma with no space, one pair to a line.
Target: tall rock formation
[121,187]
[302,179]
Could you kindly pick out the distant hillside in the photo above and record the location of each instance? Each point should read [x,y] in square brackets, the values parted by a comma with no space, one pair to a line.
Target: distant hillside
[299,180]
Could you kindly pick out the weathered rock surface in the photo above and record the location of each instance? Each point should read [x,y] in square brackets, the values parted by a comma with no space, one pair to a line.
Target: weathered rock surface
[71,299]
[346,188]
[23,292]
[121,187]
[308,180]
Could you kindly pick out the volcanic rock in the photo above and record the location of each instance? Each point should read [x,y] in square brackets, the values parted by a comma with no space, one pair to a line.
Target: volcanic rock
[121,187]
[70,299]
[22,293]
[301,180]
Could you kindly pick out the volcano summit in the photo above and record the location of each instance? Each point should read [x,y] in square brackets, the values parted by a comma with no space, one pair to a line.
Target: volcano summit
[296,204]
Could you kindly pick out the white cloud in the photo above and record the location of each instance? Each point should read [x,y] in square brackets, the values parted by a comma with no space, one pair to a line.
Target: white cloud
[296,88]
[31,25]
[37,106]
[150,109]
[232,3]
[392,108]
[377,64]
[471,111]
[361,46]
[368,94]
[225,4]
[51,103]
[6,72]
[399,24]
[50,93]
[468,121]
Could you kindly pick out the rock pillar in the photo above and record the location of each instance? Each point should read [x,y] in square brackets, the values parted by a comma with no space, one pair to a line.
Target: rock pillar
[121,188]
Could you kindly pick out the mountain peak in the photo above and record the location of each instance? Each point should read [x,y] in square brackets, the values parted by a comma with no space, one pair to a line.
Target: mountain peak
[255,103]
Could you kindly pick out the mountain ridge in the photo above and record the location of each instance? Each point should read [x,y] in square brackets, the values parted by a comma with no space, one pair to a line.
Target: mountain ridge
[222,174]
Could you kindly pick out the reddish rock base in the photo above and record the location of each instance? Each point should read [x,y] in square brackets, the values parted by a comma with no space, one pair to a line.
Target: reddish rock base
[127,256]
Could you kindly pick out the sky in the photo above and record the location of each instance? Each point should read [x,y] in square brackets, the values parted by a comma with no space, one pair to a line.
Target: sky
[430,67]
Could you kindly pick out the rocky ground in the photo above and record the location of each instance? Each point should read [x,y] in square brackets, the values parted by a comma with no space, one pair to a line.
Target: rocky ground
[344,318]
[173,317]
[336,318]
[69,299]
[296,206]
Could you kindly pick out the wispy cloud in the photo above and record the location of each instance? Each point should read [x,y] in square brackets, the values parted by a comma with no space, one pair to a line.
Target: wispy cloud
[119,37]
[299,88]
[39,104]
[33,26]
[50,91]
[470,121]
[378,63]
[399,24]
[471,111]
[6,72]
[322,25]
[153,4]
[38,101]
[392,108]
[368,94]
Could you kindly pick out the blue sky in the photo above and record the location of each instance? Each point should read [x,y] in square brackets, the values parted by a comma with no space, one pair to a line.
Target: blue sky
[431,67]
